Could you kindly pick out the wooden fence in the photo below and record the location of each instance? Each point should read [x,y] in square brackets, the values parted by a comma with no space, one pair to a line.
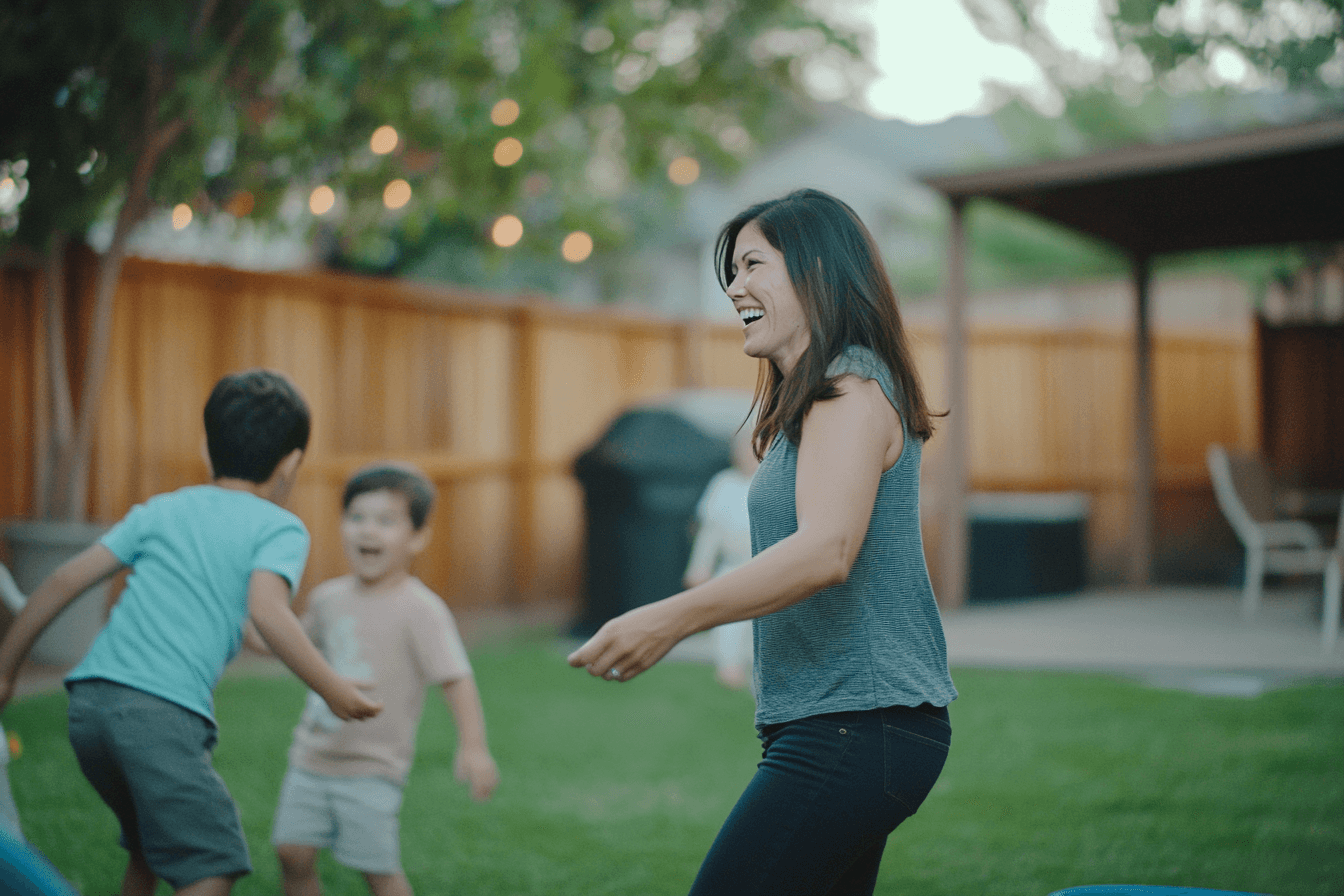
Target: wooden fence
[494,399]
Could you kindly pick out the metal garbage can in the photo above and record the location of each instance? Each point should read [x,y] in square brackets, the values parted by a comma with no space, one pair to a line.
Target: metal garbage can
[641,482]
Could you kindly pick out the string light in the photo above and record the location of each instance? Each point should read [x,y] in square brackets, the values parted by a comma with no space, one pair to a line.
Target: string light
[507,231]
[508,151]
[396,194]
[322,200]
[577,247]
[181,215]
[384,140]
[683,171]
[504,113]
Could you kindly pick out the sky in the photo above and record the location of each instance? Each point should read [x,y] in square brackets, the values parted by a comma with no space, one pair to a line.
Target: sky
[933,63]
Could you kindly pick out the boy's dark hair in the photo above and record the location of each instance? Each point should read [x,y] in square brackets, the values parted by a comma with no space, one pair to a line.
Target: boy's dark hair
[253,420]
[402,479]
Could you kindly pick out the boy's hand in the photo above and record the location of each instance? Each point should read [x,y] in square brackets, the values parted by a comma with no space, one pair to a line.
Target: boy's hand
[268,604]
[348,702]
[477,769]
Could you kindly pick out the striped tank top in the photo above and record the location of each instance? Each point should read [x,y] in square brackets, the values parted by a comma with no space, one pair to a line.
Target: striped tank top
[875,640]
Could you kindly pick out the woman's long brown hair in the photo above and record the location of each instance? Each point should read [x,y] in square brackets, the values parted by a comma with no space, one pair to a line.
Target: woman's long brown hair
[838,274]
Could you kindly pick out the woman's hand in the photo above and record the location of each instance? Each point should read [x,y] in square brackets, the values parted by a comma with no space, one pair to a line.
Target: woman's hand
[630,643]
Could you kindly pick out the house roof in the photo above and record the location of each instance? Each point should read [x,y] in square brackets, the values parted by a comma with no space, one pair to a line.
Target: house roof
[1263,187]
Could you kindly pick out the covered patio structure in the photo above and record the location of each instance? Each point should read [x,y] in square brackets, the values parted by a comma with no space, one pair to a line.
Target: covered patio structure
[1270,186]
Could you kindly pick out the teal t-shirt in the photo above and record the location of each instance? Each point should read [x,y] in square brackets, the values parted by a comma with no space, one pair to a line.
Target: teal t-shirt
[180,618]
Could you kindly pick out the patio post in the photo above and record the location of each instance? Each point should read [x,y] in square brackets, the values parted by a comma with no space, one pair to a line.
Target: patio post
[1142,486]
[954,547]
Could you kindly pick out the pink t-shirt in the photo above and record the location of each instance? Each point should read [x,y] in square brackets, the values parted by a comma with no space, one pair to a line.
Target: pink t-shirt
[402,640]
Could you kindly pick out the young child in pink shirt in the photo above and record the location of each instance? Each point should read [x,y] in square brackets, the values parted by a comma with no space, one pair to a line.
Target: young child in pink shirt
[343,789]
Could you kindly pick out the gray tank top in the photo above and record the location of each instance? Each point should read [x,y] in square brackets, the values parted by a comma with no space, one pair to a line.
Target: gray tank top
[877,639]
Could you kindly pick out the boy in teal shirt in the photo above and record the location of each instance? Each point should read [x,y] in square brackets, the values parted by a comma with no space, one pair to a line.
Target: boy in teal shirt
[204,559]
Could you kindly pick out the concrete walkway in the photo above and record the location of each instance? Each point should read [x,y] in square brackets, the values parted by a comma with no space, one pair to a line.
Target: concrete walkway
[1192,638]
[1189,638]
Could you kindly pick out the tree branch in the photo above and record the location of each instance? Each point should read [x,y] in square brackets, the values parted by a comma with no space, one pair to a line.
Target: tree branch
[155,141]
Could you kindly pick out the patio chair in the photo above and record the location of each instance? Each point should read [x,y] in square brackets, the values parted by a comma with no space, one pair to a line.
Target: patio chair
[1245,494]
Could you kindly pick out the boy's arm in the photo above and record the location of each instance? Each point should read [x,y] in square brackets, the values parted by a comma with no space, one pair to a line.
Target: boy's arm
[253,640]
[268,605]
[473,763]
[72,578]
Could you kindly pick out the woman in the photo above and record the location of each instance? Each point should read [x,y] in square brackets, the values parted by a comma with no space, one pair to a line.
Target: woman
[850,662]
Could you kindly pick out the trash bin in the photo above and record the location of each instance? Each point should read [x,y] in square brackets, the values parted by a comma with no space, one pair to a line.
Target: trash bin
[641,482]
[1026,544]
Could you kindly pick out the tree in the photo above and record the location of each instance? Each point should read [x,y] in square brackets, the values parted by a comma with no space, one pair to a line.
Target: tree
[1288,44]
[1166,56]
[264,109]
[1175,69]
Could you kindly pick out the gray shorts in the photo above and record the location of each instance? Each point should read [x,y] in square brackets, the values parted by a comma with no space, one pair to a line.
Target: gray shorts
[149,759]
[356,818]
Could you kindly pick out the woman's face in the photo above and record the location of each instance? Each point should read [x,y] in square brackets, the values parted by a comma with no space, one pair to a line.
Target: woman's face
[773,320]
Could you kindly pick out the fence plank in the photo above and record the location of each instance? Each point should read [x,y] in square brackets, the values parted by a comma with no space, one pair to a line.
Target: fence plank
[495,397]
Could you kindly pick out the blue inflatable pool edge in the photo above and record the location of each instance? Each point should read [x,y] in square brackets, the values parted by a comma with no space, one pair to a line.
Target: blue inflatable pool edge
[1139,890]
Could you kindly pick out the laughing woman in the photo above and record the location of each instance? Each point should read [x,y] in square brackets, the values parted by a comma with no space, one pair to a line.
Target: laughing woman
[850,661]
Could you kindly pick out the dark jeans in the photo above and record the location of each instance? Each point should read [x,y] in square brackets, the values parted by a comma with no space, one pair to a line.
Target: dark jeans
[830,788]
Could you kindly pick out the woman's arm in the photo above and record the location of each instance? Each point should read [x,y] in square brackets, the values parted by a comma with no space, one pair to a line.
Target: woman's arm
[846,445]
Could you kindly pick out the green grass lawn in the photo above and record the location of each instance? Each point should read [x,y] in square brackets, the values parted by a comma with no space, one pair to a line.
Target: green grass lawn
[1054,780]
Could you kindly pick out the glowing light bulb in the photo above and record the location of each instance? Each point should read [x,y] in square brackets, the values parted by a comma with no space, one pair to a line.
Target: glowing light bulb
[504,113]
[683,171]
[508,151]
[507,231]
[322,200]
[396,194]
[577,247]
[181,215]
[384,140]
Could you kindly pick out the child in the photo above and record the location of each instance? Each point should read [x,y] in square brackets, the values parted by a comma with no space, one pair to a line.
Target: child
[723,542]
[141,702]
[9,813]
[344,786]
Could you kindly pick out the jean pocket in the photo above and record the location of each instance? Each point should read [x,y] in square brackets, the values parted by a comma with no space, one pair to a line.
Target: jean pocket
[913,761]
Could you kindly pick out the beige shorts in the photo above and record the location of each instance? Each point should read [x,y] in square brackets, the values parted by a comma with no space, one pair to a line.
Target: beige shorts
[356,818]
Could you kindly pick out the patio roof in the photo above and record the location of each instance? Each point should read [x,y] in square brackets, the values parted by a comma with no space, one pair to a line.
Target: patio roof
[1270,186]
[1264,187]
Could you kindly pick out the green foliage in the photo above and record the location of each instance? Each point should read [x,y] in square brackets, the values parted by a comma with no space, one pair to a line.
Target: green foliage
[1290,46]
[1054,780]
[260,101]
[1184,46]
